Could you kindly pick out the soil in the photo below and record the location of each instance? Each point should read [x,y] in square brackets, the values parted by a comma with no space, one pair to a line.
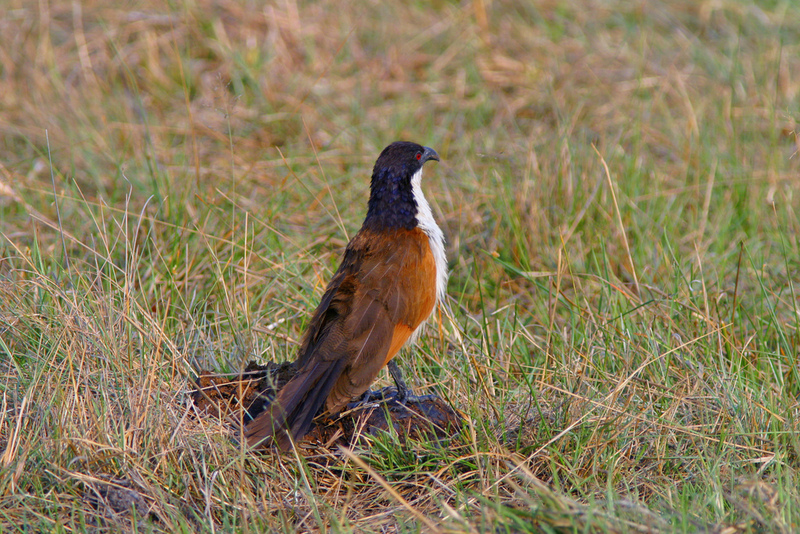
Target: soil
[241,398]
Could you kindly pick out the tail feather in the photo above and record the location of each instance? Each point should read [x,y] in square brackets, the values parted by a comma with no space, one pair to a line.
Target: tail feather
[295,407]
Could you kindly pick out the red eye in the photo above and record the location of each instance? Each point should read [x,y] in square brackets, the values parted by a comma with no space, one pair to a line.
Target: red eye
[419,156]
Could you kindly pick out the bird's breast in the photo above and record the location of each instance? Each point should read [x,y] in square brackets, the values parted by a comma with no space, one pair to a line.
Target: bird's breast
[420,283]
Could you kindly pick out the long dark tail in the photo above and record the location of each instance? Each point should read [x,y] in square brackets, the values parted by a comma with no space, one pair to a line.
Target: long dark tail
[295,407]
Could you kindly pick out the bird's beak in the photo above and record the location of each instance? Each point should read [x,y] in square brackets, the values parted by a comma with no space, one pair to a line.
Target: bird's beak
[429,153]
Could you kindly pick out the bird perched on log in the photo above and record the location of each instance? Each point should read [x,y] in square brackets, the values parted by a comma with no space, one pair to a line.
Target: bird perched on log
[393,273]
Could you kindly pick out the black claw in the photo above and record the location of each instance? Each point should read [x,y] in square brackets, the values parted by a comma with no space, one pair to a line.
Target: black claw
[368,397]
[417,399]
[401,394]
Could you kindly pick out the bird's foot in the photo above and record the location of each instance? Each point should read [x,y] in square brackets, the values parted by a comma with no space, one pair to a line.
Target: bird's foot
[368,398]
[388,396]
[406,396]
[403,394]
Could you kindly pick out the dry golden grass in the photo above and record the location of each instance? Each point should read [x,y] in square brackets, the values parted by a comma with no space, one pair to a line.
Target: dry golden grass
[619,193]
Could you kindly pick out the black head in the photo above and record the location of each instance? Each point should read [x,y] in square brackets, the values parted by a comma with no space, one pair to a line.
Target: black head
[391,199]
[402,157]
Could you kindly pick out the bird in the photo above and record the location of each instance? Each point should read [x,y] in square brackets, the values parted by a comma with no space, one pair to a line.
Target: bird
[391,277]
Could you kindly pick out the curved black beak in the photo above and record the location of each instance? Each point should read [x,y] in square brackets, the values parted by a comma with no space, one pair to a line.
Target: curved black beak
[429,153]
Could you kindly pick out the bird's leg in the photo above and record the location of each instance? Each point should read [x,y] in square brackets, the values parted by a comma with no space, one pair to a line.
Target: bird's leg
[403,390]
[404,393]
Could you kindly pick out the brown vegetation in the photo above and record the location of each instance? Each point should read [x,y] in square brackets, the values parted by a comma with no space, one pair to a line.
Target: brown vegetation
[618,188]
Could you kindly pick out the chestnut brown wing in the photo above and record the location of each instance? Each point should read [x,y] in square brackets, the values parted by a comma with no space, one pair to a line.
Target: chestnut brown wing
[396,293]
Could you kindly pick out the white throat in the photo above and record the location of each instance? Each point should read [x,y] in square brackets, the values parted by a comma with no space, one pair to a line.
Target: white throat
[427,224]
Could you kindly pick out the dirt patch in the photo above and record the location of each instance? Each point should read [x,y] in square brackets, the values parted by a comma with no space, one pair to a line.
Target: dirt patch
[247,395]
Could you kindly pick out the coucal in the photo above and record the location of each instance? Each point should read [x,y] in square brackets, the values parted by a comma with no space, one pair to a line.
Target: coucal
[393,273]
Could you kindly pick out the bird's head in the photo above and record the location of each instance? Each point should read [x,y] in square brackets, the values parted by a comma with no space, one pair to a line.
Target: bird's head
[402,158]
[395,193]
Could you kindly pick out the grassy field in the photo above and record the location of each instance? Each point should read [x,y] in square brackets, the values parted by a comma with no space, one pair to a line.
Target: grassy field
[618,189]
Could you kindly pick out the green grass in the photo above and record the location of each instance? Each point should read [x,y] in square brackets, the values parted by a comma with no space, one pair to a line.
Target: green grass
[177,184]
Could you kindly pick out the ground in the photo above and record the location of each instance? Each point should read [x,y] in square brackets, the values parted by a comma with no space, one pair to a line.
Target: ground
[619,193]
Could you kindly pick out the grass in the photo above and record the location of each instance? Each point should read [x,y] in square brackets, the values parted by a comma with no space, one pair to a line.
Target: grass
[618,188]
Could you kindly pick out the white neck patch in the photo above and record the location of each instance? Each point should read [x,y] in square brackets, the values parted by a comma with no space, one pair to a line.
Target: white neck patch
[427,224]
